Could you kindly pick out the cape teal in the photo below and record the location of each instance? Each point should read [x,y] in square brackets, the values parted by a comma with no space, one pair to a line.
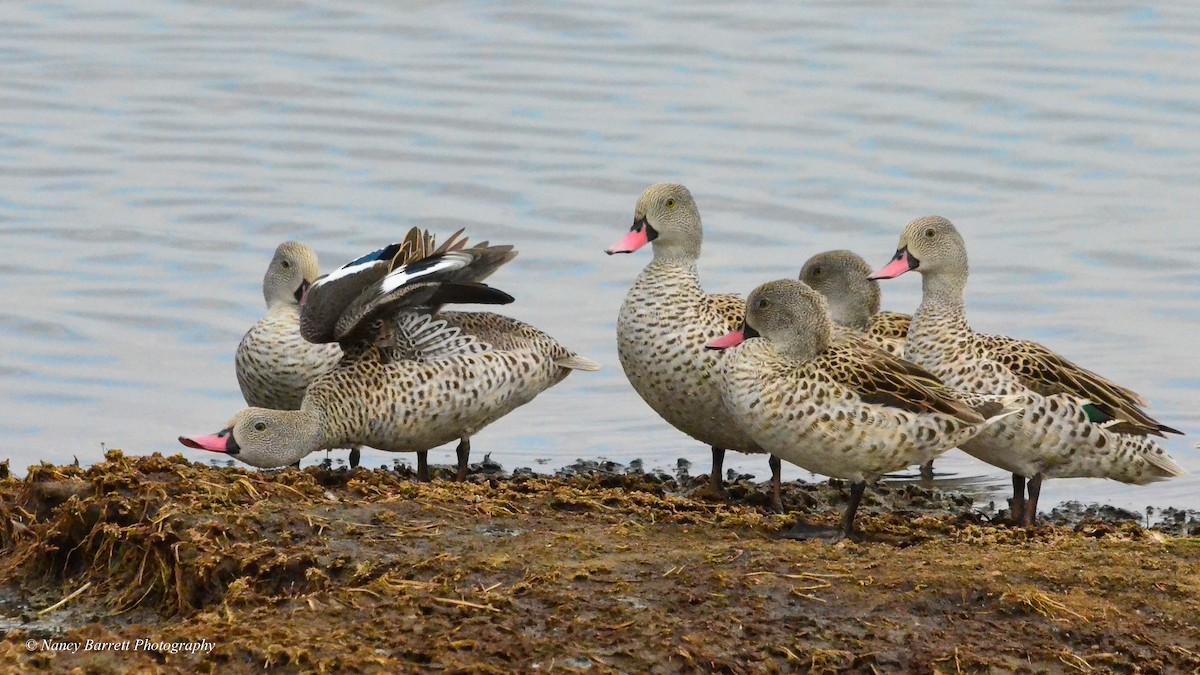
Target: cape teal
[1074,423]
[274,364]
[412,378]
[843,277]
[665,322]
[835,405]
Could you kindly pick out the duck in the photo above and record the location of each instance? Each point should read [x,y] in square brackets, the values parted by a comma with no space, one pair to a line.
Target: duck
[1074,423]
[412,377]
[273,363]
[838,406]
[664,323]
[843,277]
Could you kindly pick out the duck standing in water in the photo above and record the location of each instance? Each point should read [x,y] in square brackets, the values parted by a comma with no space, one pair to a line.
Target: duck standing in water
[834,405]
[1074,423]
[665,322]
[843,277]
[412,378]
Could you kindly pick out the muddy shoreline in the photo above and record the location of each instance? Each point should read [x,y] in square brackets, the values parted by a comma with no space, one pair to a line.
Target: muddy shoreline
[602,568]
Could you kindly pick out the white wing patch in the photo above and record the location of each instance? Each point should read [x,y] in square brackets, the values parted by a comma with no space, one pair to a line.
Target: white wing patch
[354,266]
[426,338]
[407,273]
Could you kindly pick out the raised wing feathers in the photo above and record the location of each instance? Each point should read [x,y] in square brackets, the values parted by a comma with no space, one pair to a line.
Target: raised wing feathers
[410,275]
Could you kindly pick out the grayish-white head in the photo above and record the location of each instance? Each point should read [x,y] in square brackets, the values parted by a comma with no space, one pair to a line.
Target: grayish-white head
[291,272]
[667,218]
[843,277]
[932,247]
[792,316]
[267,439]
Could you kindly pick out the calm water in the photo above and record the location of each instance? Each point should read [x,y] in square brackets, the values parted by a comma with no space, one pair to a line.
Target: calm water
[153,156]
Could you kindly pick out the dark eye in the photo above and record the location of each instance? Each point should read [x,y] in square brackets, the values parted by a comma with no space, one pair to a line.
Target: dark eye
[670,203]
[285,264]
[816,271]
[929,233]
[260,426]
[763,303]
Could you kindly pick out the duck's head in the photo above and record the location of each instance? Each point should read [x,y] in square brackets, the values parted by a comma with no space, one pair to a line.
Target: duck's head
[929,246]
[267,439]
[843,277]
[789,314]
[666,217]
[292,270]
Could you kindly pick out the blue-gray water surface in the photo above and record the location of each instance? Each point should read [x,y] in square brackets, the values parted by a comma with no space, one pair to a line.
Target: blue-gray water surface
[153,154]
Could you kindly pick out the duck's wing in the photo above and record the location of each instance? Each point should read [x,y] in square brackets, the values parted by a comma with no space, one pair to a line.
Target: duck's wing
[421,336]
[337,305]
[1047,373]
[423,286]
[323,303]
[881,379]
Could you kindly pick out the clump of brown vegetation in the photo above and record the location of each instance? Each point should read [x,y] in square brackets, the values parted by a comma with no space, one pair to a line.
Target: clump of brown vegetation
[320,570]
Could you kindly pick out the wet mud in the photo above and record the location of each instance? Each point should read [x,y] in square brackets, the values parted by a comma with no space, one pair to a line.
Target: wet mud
[600,568]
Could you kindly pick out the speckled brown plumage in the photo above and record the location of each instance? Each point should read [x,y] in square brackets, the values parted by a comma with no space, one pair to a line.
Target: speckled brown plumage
[666,320]
[1073,424]
[274,365]
[837,406]
[427,379]
[408,406]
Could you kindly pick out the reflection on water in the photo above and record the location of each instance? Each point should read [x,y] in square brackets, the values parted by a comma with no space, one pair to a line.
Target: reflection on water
[154,155]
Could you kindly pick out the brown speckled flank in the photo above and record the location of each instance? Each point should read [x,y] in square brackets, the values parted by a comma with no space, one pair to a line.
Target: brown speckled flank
[1074,423]
[274,364]
[834,405]
[666,320]
[408,406]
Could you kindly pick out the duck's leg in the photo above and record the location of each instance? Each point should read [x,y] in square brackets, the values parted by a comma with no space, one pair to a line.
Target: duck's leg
[296,465]
[1016,508]
[716,481]
[355,457]
[856,494]
[1035,490]
[776,484]
[803,531]
[927,470]
[423,466]
[464,456]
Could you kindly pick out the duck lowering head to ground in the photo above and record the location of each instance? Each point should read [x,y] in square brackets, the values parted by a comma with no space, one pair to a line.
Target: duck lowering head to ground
[666,320]
[412,377]
[1074,423]
[838,407]
[844,278]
